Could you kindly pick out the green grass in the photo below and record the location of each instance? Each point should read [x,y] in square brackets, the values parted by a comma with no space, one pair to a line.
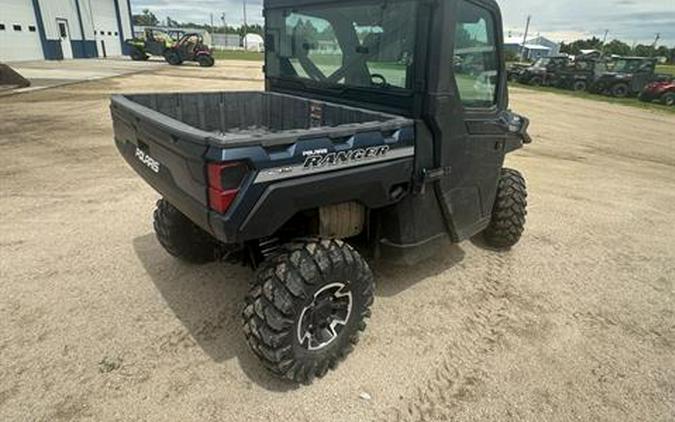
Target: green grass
[666,68]
[237,55]
[632,102]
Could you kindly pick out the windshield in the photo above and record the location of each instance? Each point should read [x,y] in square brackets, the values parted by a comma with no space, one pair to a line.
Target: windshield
[626,66]
[360,45]
[542,62]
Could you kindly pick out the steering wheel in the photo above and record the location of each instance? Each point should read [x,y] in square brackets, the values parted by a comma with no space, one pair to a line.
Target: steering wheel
[383,80]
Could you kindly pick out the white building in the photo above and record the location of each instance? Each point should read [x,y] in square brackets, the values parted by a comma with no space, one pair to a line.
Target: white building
[63,29]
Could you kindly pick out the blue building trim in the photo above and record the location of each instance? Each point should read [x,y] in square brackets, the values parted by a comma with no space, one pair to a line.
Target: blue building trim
[53,50]
[125,47]
[131,18]
[41,28]
[83,49]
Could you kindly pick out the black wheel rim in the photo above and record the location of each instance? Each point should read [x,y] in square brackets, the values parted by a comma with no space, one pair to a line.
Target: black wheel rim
[324,318]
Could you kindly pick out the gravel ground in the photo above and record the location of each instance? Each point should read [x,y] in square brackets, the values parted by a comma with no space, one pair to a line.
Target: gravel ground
[576,322]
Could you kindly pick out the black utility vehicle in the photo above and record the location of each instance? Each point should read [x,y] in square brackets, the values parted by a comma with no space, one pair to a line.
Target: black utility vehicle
[368,141]
[544,71]
[628,76]
[581,74]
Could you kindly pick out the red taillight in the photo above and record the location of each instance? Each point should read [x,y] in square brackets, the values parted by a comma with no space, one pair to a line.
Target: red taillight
[224,182]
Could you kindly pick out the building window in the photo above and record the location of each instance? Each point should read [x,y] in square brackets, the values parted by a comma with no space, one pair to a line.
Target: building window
[102,32]
[109,33]
[17,27]
[31,28]
[2,26]
[115,33]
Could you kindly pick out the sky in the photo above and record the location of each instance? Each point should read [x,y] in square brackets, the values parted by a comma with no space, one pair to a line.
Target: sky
[632,21]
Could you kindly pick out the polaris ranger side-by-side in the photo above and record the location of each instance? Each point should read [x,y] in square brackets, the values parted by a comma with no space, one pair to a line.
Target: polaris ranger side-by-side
[544,71]
[369,140]
[627,77]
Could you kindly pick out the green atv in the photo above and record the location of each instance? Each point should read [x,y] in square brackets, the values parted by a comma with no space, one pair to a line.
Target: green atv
[154,42]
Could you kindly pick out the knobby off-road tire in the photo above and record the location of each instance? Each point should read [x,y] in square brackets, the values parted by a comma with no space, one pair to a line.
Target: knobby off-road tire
[509,211]
[138,55]
[277,311]
[172,58]
[205,61]
[580,86]
[181,237]
[620,90]
[668,99]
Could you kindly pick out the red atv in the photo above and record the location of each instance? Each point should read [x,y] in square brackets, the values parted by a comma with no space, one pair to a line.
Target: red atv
[663,91]
[190,47]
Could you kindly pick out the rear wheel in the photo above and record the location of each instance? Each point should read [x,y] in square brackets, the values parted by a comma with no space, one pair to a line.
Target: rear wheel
[181,237]
[580,86]
[620,90]
[668,99]
[307,307]
[509,211]
[205,61]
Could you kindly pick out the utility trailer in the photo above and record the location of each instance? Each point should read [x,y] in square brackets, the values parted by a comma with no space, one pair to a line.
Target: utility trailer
[381,135]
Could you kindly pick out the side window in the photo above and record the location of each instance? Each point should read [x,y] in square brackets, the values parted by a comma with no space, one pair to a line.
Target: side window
[476,61]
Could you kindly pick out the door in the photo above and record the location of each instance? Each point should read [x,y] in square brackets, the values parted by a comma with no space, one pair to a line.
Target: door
[64,36]
[156,42]
[643,76]
[472,142]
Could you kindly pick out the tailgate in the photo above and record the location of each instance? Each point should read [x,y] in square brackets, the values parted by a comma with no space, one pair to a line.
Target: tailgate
[168,158]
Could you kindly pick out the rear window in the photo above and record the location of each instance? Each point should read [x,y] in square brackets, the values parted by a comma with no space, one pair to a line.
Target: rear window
[362,45]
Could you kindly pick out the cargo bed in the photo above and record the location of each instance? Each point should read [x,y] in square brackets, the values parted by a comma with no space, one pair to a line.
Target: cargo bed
[233,119]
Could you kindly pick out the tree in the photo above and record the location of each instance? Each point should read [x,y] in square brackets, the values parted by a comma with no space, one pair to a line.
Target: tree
[574,48]
[644,50]
[147,18]
[617,47]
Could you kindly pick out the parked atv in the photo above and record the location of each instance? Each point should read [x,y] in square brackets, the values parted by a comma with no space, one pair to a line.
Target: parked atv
[581,74]
[344,156]
[190,47]
[664,92]
[628,77]
[514,70]
[544,72]
[154,42]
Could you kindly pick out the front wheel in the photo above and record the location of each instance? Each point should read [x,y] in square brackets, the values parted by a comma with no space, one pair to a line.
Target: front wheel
[510,209]
[307,307]
[668,99]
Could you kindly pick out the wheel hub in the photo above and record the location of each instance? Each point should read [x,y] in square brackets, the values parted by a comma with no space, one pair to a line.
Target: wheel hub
[322,321]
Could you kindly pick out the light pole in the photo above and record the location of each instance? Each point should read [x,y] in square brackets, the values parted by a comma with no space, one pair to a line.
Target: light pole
[245,28]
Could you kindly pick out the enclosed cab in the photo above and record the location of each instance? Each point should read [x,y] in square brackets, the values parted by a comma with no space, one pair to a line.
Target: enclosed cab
[627,77]
[544,71]
[382,132]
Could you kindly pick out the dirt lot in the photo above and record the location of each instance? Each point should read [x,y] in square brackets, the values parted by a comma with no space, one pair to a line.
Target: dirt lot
[577,322]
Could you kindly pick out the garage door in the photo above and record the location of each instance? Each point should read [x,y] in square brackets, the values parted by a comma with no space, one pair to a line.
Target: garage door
[19,36]
[105,26]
